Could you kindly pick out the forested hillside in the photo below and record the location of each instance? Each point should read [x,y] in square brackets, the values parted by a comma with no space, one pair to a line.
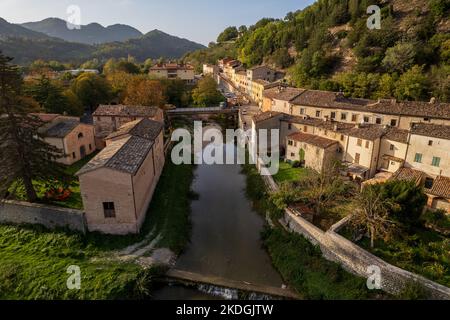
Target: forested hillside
[329,46]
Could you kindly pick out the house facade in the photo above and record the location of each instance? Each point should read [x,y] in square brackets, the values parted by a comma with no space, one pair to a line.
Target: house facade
[117,186]
[76,140]
[173,71]
[109,118]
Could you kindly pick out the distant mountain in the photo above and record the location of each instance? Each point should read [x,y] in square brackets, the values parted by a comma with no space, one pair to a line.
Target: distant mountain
[8,30]
[154,44]
[26,45]
[93,33]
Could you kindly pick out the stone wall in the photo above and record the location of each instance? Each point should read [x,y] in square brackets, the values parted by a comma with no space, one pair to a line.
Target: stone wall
[16,212]
[355,259]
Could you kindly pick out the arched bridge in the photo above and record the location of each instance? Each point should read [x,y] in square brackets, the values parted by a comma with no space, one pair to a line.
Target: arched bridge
[203,111]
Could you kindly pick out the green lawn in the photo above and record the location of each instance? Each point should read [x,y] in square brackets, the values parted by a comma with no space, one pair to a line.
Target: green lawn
[34,261]
[289,174]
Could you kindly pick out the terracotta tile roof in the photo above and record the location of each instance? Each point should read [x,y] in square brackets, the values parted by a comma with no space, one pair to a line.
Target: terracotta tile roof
[172,66]
[145,128]
[441,187]
[127,154]
[266,116]
[283,93]
[431,130]
[62,128]
[396,134]
[317,141]
[126,111]
[328,99]
[392,158]
[367,132]
[409,174]
[46,117]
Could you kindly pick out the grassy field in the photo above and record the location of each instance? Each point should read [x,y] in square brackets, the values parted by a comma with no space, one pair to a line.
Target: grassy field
[289,174]
[34,261]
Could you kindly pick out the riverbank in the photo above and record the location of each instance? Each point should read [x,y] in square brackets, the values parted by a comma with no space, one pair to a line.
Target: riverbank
[299,262]
[34,260]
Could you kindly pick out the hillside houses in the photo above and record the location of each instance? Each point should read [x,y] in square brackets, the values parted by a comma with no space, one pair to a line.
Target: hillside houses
[371,138]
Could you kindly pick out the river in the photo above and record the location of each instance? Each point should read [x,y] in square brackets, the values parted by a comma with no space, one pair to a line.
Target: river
[226,235]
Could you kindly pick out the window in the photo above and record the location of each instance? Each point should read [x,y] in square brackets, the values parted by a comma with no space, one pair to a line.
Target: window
[290,126]
[343,116]
[109,209]
[333,115]
[418,158]
[318,114]
[74,155]
[359,143]
[436,162]
[292,154]
[430,143]
[80,135]
[342,137]
[366,119]
[392,148]
[426,119]
[367,144]
[302,111]
[378,121]
[393,123]
[357,158]
[290,142]
[429,182]
[90,146]
[305,129]
[354,118]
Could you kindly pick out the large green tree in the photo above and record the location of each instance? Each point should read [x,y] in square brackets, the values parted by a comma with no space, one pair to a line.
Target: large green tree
[92,90]
[24,155]
[206,93]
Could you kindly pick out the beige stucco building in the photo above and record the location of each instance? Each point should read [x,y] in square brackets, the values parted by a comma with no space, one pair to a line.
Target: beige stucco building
[76,140]
[311,151]
[117,186]
[173,71]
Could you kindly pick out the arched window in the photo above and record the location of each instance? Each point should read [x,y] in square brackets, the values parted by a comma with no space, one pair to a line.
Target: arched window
[80,135]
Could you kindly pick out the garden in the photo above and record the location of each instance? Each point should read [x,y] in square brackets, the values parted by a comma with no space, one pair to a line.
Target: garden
[392,224]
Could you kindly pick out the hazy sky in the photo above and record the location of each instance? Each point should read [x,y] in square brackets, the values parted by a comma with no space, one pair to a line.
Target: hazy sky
[197,20]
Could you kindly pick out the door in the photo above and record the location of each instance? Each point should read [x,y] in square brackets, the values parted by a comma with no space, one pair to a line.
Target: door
[82,152]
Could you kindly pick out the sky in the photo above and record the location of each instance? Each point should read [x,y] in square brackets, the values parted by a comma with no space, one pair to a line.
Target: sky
[196,20]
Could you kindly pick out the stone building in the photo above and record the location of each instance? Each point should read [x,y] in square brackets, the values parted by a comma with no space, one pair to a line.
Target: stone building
[117,185]
[173,71]
[75,139]
[109,118]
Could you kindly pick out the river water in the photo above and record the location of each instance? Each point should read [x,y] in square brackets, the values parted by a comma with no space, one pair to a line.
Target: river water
[226,235]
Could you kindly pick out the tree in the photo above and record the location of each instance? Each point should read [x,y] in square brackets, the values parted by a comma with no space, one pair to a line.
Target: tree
[24,155]
[145,92]
[206,93]
[91,90]
[400,57]
[372,214]
[413,85]
[230,33]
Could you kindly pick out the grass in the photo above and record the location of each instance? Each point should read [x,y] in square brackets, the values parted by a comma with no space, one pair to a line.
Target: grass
[73,202]
[34,267]
[34,260]
[298,261]
[308,272]
[424,252]
[287,173]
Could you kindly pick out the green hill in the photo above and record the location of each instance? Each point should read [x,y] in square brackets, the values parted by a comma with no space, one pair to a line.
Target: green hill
[329,46]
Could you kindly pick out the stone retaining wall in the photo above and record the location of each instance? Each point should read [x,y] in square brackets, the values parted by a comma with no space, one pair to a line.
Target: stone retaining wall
[355,259]
[16,212]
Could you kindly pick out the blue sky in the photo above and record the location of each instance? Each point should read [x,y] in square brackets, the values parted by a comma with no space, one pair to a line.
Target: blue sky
[197,20]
